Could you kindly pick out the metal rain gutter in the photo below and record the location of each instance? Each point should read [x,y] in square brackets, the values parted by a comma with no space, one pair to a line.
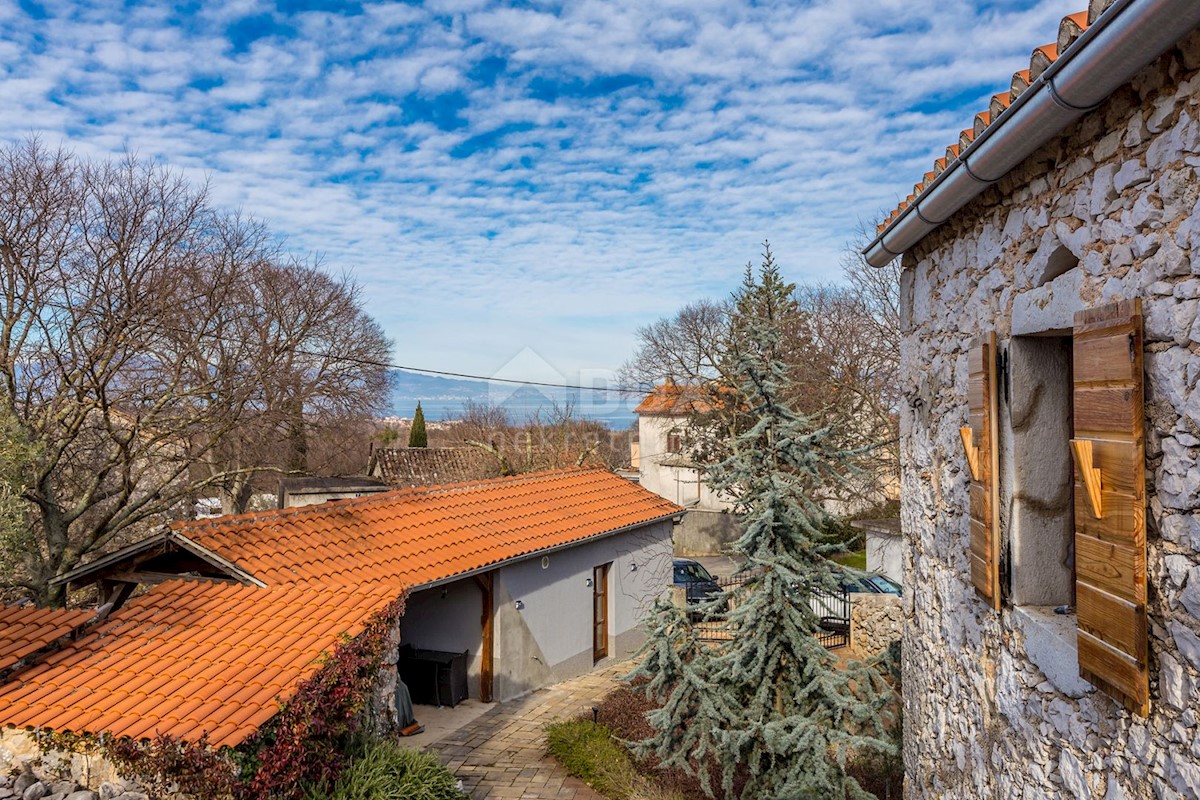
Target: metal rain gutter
[1124,39]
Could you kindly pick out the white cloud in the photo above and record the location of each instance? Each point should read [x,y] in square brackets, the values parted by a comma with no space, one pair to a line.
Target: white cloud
[488,173]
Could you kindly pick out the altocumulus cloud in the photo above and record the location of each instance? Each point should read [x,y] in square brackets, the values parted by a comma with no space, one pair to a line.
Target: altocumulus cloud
[541,174]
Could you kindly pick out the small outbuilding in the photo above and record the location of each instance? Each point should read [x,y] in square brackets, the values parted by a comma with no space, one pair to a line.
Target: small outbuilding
[515,582]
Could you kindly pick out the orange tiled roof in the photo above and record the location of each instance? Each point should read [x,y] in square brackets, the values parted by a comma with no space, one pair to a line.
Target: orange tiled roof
[25,631]
[411,537]
[1069,29]
[675,399]
[186,659]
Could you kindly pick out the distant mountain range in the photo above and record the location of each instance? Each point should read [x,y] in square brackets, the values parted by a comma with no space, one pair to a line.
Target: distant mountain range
[445,398]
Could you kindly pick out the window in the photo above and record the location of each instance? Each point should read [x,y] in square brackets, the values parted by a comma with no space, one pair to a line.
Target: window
[1073,532]
[675,442]
[1039,488]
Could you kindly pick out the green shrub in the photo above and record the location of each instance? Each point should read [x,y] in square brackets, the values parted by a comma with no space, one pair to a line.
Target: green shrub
[386,771]
[589,751]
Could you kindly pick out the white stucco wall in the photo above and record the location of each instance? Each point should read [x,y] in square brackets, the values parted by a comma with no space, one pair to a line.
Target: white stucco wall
[550,638]
[668,474]
[885,554]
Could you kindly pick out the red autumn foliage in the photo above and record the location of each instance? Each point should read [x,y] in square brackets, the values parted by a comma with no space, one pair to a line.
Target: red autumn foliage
[303,746]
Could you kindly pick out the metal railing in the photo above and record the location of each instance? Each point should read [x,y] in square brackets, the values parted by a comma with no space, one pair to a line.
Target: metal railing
[832,609]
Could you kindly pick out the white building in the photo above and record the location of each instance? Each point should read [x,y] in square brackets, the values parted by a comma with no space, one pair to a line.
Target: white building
[666,467]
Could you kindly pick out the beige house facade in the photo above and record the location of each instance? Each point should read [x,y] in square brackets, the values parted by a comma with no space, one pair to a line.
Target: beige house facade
[667,467]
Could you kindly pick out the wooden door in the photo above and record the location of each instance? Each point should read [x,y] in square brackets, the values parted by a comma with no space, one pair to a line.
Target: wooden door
[600,612]
[487,623]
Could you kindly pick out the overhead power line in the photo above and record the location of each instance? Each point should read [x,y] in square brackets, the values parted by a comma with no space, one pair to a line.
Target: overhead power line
[468,376]
[226,338]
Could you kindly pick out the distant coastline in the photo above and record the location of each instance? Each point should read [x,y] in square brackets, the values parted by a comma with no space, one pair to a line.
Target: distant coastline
[445,399]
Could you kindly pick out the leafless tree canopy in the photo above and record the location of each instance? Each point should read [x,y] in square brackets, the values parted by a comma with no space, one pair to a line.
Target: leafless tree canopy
[841,343]
[152,349]
[689,348]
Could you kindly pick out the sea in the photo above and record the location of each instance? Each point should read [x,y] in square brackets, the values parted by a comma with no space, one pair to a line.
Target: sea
[446,399]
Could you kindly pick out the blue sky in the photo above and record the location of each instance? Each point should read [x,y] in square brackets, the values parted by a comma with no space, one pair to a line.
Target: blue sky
[527,176]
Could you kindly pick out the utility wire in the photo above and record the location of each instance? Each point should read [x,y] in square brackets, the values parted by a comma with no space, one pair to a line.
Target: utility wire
[469,376]
[227,339]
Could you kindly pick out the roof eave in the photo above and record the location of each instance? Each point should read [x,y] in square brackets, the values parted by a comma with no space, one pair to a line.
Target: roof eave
[1123,40]
[545,551]
[164,537]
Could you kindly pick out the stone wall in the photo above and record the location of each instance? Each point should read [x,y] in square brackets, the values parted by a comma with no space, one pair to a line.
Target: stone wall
[705,533]
[875,622]
[28,771]
[994,704]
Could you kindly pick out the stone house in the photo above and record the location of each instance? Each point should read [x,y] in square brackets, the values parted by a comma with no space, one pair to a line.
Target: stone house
[1050,432]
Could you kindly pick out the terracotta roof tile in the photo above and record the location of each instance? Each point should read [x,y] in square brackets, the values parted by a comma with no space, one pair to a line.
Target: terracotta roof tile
[411,537]
[1069,29]
[676,399]
[1042,58]
[25,631]
[137,675]
[1020,82]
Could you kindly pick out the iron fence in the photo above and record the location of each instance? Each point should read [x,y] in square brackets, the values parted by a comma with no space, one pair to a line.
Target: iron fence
[709,604]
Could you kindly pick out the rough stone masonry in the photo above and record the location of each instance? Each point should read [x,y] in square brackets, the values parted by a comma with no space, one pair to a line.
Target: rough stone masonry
[1106,211]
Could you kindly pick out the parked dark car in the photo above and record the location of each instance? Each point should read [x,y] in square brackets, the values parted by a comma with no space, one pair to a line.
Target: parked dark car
[700,584]
[872,584]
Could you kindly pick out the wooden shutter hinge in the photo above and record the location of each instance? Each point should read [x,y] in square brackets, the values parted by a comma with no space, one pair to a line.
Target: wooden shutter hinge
[1085,462]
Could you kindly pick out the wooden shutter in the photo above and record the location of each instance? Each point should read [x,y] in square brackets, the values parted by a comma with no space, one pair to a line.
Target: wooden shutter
[1110,547]
[979,440]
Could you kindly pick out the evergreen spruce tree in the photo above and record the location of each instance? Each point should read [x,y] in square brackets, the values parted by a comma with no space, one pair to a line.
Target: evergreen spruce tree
[780,713]
[417,436]
[676,666]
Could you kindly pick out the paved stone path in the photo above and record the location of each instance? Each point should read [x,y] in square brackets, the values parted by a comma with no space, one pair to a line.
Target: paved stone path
[502,754]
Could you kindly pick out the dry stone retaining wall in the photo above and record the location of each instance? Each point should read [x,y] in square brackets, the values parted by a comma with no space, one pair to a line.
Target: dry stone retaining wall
[875,622]
[994,705]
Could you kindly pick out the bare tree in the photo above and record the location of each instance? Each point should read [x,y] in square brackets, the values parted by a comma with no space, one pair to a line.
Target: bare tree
[689,348]
[131,343]
[318,364]
[94,258]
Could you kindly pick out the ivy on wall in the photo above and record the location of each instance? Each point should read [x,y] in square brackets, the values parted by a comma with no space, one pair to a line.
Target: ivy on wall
[305,745]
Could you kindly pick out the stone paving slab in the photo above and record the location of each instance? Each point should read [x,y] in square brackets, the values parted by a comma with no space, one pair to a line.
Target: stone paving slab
[501,755]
